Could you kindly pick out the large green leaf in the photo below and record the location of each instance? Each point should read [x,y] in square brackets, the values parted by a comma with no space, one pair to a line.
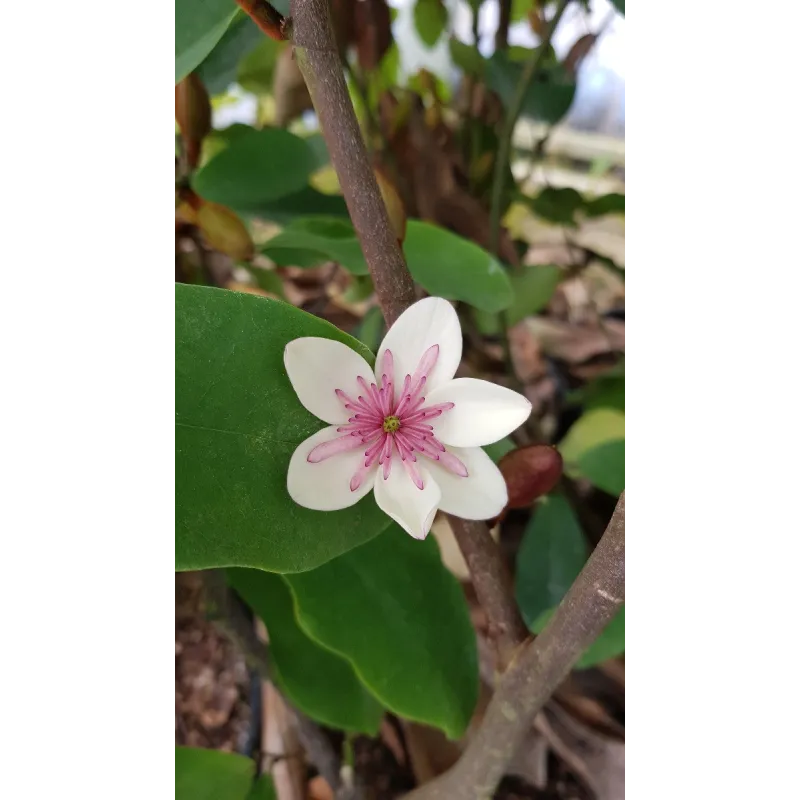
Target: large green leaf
[430,20]
[552,553]
[310,241]
[448,266]
[238,421]
[263,789]
[256,168]
[256,69]
[533,287]
[594,448]
[609,644]
[548,98]
[218,70]
[400,617]
[319,682]
[307,202]
[199,25]
[212,775]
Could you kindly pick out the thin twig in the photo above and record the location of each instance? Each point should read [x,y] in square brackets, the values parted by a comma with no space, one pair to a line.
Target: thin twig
[588,607]
[501,35]
[529,73]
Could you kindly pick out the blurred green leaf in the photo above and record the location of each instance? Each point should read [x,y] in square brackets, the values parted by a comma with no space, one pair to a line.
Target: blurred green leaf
[533,288]
[467,57]
[267,279]
[552,553]
[607,391]
[307,202]
[520,9]
[256,168]
[372,329]
[238,421]
[393,609]
[604,466]
[430,20]
[257,68]
[613,203]
[620,6]
[497,450]
[360,288]
[548,98]
[557,205]
[591,429]
[212,774]
[263,789]
[310,241]
[609,644]
[218,140]
[218,70]
[446,265]
[199,25]
[316,141]
[317,681]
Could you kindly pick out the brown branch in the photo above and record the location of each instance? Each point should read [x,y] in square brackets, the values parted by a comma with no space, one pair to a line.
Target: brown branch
[318,58]
[501,35]
[493,586]
[267,18]
[589,605]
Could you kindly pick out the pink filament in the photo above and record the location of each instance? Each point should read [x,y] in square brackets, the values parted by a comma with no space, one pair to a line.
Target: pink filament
[364,429]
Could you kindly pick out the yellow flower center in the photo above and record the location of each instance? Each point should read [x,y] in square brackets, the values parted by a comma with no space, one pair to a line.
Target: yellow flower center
[391,424]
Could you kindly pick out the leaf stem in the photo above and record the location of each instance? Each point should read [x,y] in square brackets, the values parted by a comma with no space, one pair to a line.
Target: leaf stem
[529,73]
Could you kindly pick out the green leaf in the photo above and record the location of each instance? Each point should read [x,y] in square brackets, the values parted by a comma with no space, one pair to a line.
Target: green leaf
[212,774]
[218,140]
[372,329]
[609,644]
[256,168]
[307,202]
[604,466]
[401,618]
[590,430]
[552,553]
[607,391]
[238,421]
[319,682]
[257,68]
[619,5]
[218,70]
[318,239]
[497,450]
[199,25]
[467,57]
[263,789]
[267,280]
[548,98]
[430,20]
[557,205]
[520,9]
[449,266]
[533,287]
[613,203]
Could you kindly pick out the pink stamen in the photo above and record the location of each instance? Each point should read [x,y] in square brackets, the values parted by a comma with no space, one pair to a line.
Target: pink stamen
[413,473]
[340,445]
[371,454]
[449,461]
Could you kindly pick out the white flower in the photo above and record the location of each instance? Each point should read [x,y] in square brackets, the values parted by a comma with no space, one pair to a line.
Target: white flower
[413,435]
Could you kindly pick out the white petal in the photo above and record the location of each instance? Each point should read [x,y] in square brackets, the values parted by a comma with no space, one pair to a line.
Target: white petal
[410,507]
[484,412]
[325,486]
[430,321]
[481,495]
[317,368]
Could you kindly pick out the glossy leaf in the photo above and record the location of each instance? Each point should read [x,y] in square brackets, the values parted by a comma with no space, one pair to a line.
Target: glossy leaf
[238,421]
[446,265]
[430,20]
[256,168]
[604,466]
[401,618]
[591,429]
[218,70]
[552,553]
[199,25]
[317,681]
[318,239]
[609,644]
[212,774]
[307,202]
[548,98]
[533,288]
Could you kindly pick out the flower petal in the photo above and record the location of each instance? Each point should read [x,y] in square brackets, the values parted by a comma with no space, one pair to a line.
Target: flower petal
[317,368]
[430,321]
[325,486]
[481,495]
[411,508]
[484,412]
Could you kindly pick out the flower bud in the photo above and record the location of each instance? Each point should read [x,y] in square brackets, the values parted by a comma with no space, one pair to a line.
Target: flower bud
[530,472]
[193,114]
